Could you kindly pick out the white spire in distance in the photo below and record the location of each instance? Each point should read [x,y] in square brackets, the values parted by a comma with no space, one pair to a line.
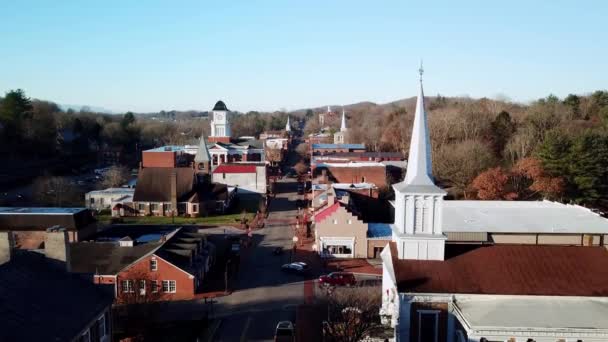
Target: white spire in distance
[288,126]
[328,109]
[419,167]
[343,126]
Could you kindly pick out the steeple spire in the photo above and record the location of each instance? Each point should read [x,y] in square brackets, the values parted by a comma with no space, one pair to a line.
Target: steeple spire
[328,109]
[419,168]
[343,126]
[288,126]
[202,155]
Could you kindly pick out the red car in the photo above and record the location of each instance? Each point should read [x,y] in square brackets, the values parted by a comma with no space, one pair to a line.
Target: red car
[338,279]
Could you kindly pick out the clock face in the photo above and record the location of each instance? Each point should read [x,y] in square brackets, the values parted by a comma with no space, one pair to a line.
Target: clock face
[219,116]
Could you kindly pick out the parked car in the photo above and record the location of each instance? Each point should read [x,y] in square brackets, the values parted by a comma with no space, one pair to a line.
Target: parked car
[338,279]
[300,268]
[284,332]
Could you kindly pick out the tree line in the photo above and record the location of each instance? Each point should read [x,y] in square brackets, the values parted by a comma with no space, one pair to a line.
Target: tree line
[550,148]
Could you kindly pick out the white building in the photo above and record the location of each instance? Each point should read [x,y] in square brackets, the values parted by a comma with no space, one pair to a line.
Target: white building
[341,137]
[103,199]
[220,126]
[528,291]
[248,178]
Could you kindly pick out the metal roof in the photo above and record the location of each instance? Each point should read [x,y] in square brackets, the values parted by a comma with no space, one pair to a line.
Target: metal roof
[520,217]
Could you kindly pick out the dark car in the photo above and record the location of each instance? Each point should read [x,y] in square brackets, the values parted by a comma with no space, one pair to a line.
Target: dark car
[277,251]
[284,332]
[338,279]
[300,268]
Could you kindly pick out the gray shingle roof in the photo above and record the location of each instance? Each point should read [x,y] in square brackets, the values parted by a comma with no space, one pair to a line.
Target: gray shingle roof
[39,302]
[106,258]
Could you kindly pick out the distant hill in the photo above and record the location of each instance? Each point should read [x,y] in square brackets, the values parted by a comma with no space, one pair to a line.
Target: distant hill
[77,108]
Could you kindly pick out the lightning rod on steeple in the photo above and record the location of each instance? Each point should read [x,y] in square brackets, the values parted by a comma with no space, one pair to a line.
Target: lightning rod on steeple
[421,70]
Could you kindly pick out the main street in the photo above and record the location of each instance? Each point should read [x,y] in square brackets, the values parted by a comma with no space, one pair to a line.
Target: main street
[263,295]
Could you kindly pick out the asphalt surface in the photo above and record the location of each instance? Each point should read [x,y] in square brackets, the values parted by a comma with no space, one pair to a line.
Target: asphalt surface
[263,294]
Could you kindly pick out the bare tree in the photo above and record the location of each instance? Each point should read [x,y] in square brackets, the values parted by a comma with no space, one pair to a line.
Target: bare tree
[302,150]
[458,164]
[353,313]
[115,176]
[56,191]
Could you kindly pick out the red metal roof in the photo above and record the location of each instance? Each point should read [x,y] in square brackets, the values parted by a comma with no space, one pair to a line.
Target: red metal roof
[323,214]
[509,270]
[232,168]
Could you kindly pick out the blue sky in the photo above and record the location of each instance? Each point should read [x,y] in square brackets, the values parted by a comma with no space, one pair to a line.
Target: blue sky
[271,55]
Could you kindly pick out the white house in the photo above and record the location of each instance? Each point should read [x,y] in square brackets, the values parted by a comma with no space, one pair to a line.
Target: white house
[506,290]
[103,199]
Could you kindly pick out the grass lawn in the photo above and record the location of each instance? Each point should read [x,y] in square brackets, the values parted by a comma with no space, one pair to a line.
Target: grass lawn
[247,203]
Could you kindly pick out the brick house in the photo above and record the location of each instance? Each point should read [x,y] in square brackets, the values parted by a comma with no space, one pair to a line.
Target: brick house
[29,224]
[40,300]
[144,265]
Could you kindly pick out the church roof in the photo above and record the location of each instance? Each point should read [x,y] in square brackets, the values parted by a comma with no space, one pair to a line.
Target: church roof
[220,105]
[202,155]
[509,270]
[521,217]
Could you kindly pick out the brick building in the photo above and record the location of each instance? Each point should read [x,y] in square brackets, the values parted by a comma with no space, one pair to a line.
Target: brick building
[29,224]
[166,156]
[364,172]
[146,263]
[342,230]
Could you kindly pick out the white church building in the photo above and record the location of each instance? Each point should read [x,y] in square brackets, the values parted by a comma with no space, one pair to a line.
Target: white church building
[503,291]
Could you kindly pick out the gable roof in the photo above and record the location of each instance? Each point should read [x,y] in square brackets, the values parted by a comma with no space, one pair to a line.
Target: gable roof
[107,258]
[235,168]
[509,270]
[39,302]
[34,218]
[154,184]
[323,214]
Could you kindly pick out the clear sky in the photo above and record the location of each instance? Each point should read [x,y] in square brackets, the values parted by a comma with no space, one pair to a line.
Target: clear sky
[270,55]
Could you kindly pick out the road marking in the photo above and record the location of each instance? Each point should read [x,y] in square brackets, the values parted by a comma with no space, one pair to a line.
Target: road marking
[212,329]
[244,334]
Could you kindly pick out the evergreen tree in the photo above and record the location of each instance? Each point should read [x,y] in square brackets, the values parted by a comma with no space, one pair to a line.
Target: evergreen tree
[589,167]
[14,109]
[502,128]
[554,154]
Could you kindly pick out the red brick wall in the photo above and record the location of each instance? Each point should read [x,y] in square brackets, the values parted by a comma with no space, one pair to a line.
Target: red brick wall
[375,243]
[158,159]
[185,284]
[373,174]
[35,239]
[219,139]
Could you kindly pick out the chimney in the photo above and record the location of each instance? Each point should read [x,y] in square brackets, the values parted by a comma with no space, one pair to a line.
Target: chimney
[331,198]
[57,247]
[173,191]
[7,247]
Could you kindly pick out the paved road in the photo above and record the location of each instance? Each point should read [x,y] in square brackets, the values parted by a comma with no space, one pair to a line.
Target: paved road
[264,295]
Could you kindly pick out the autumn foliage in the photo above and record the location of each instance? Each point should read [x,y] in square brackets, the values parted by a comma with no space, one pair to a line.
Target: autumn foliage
[525,180]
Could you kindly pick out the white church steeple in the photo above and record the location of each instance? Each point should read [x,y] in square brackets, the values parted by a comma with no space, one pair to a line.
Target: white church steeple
[343,126]
[288,125]
[417,230]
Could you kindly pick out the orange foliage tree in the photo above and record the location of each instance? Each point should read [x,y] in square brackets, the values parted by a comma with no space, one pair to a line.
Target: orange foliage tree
[525,180]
